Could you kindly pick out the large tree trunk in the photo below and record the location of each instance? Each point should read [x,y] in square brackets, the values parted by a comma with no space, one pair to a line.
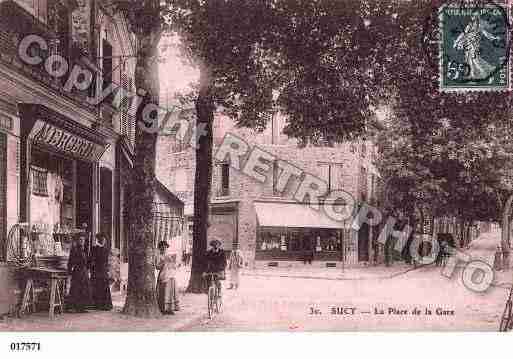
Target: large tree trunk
[202,180]
[505,231]
[141,298]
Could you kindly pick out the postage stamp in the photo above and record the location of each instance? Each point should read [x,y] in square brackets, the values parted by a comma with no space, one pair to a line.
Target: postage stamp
[474,47]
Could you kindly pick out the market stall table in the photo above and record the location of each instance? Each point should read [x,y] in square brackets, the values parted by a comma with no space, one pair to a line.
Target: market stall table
[53,277]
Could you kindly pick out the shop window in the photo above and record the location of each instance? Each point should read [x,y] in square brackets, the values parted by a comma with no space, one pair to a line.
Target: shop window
[272,240]
[39,182]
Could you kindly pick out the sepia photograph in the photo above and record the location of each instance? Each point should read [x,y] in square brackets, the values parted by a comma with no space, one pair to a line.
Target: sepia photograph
[258,166]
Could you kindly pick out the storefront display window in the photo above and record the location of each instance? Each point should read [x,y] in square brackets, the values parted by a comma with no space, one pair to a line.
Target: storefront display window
[53,190]
[299,240]
[39,182]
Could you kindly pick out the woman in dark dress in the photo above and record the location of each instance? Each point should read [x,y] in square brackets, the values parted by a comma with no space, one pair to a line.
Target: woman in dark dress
[102,299]
[79,296]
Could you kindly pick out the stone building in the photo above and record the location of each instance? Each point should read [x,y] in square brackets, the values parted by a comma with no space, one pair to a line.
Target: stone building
[273,228]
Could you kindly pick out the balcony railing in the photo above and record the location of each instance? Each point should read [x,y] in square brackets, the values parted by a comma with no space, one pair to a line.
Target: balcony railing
[15,24]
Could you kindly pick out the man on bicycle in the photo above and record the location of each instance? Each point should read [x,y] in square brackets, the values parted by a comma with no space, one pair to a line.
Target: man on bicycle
[216,262]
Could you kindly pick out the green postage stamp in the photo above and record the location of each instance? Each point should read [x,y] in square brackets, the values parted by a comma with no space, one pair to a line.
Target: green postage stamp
[475,46]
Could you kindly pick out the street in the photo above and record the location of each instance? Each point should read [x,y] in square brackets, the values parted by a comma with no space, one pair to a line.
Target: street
[301,304]
[296,304]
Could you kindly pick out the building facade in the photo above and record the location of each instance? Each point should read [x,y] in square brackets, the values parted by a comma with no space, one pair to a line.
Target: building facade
[64,160]
[272,228]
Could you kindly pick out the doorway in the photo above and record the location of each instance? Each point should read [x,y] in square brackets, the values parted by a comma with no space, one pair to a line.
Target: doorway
[106,202]
[363,243]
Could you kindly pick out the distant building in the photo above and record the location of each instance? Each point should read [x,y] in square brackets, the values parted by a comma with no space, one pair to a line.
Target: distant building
[270,227]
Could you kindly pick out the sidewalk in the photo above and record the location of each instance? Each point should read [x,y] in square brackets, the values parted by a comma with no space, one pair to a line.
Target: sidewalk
[193,308]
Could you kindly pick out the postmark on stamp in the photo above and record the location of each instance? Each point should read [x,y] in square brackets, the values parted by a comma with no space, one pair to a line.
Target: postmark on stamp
[474,46]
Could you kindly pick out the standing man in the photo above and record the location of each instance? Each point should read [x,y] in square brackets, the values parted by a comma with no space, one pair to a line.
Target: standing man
[235,263]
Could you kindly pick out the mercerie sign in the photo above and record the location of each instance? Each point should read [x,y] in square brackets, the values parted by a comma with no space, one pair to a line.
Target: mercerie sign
[64,141]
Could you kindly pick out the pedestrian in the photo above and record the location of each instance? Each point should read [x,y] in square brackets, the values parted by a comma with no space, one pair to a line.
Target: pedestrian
[79,297]
[216,263]
[235,263]
[166,283]
[102,299]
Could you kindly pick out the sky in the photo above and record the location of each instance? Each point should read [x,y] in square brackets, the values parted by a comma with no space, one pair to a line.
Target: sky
[174,75]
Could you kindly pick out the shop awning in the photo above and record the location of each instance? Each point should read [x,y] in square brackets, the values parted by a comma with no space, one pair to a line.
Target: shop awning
[294,215]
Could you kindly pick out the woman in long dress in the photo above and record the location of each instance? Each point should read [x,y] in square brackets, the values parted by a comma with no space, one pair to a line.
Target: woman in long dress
[79,297]
[166,284]
[100,274]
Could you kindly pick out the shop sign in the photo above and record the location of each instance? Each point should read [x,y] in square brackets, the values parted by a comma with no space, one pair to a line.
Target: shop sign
[66,142]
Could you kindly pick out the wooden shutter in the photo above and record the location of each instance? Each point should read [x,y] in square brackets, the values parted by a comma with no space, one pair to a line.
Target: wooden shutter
[124,107]
[3,194]
[131,117]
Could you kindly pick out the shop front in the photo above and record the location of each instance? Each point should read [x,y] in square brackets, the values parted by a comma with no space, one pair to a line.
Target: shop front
[59,178]
[297,232]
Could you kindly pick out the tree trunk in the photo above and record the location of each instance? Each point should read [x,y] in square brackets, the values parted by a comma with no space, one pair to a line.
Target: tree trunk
[505,231]
[141,298]
[202,181]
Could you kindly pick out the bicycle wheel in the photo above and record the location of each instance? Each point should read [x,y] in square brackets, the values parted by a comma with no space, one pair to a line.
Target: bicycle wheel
[506,320]
[211,301]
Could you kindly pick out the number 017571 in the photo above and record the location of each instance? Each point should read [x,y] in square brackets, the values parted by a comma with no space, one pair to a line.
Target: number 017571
[25,347]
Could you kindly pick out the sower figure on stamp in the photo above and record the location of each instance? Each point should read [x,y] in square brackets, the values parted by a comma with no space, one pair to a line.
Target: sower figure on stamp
[79,297]
[166,284]
[469,41]
[102,299]
[235,264]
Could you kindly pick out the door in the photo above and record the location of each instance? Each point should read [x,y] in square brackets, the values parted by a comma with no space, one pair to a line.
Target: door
[3,194]
[363,243]
[106,203]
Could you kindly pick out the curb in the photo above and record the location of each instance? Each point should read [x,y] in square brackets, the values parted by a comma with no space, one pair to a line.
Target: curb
[388,276]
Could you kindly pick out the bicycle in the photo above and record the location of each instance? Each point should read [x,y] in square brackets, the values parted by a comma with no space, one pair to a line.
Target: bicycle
[507,316]
[215,302]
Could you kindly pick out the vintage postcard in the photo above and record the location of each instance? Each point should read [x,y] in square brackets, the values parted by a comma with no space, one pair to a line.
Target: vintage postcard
[255,166]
